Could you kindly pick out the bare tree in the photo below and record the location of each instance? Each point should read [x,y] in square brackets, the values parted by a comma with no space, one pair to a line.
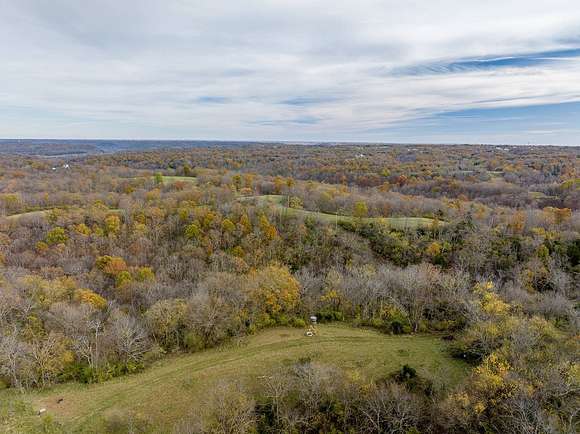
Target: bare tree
[389,409]
[128,338]
[85,326]
[233,410]
[13,359]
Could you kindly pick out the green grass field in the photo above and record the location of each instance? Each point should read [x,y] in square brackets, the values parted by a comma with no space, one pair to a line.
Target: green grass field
[168,390]
[171,179]
[400,223]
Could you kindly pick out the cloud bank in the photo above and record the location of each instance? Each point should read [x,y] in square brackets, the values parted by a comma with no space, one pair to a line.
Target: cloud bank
[365,70]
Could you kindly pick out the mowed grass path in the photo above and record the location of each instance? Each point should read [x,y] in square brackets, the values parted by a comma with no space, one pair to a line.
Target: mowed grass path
[400,223]
[168,390]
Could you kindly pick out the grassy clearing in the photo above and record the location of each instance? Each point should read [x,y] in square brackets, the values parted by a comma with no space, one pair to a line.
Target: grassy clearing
[44,212]
[167,391]
[400,223]
[167,179]
[40,213]
[539,195]
[172,179]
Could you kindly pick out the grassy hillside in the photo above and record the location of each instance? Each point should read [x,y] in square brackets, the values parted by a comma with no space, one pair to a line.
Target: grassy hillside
[394,222]
[167,391]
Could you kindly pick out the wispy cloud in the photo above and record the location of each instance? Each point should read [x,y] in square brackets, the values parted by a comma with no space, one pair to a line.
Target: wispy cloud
[213,100]
[490,63]
[303,120]
[309,100]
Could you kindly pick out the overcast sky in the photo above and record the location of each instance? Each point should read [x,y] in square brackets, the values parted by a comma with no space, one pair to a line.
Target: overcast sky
[468,71]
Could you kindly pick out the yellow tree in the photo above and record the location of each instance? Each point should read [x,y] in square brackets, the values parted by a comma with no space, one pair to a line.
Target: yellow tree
[268,230]
[245,224]
[228,226]
[111,265]
[92,298]
[274,289]
[112,224]
[518,222]
[562,214]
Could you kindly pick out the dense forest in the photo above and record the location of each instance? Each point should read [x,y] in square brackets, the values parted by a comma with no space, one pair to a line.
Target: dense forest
[112,263]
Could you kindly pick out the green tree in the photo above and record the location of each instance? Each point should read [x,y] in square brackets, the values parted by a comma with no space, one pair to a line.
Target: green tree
[360,209]
[192,232]
[144,274]
[56,236]
[228,226]
[295,202]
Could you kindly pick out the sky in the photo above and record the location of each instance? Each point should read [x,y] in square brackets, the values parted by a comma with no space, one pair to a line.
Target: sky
[423,71]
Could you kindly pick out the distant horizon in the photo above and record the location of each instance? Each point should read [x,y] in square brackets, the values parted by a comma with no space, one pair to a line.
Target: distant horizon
[49,140]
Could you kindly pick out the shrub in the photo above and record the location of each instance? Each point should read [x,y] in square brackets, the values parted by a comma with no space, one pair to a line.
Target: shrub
[282,320]
[125,423]
[406,373]
[397,327]
[327,315]
[264,320]
[442,325]
[155,353]
[297,322]
[377,323]
[193,342]
[409,377]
